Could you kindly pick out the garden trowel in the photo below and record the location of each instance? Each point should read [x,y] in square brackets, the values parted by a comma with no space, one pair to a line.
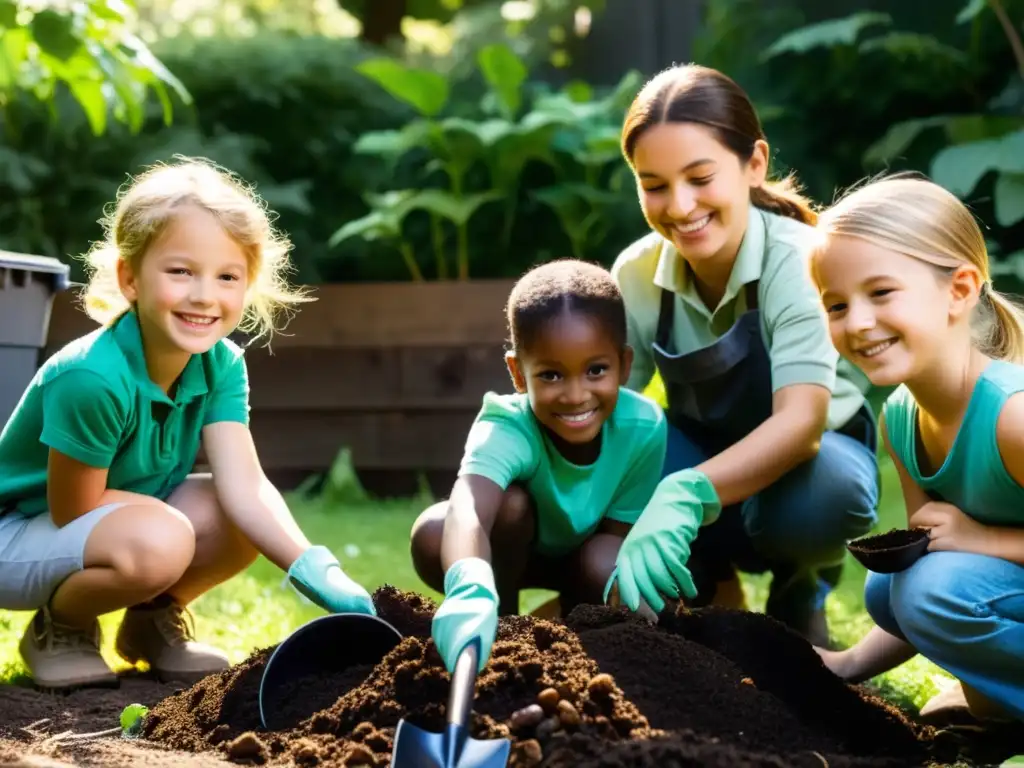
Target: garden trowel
[453,748]
[324,646]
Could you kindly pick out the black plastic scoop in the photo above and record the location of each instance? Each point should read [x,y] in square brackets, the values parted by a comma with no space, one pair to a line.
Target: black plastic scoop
[892,551]
[324,646]
[417,748]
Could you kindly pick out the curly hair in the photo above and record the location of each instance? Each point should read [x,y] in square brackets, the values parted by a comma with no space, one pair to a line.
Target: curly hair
[564,285]
[146,206]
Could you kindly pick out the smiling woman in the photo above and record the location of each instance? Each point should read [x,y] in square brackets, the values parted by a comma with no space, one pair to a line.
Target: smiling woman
[720,304]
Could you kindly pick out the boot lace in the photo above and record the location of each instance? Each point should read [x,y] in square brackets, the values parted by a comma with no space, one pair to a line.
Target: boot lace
[61,637]
[176,624]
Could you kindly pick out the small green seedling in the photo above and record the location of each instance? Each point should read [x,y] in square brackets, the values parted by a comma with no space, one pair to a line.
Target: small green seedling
[131,720]
[1015,760]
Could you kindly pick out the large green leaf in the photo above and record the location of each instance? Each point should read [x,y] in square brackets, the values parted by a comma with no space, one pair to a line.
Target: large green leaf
[13,52]
[969,11]
[1009,198]
[90,97]
[914,45]
[55,33]
[826,34]
[960,167]
[425,91]
[899,136]
[457,210]
[8,14]
[505,73]
[959,129]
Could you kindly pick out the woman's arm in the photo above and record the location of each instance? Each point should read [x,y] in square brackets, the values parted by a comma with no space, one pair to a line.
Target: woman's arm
[786,439]
[248,498]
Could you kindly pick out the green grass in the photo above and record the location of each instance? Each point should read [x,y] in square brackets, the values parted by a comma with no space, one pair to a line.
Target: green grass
[255,609]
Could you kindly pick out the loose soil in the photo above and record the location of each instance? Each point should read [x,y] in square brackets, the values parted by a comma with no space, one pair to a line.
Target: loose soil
[893,539]
[706,687]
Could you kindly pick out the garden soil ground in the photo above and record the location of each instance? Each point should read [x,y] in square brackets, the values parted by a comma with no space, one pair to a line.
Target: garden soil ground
[708,687]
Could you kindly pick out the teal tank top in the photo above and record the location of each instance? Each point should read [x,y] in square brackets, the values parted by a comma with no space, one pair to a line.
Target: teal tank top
[973,477]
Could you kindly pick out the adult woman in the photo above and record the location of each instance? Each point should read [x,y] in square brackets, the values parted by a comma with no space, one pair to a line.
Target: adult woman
[720,305]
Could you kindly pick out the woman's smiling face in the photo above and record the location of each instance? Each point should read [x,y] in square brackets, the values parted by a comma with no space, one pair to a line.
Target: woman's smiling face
[693,190]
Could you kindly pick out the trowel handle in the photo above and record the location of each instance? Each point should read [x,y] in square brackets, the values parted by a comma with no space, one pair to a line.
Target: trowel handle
[460,695]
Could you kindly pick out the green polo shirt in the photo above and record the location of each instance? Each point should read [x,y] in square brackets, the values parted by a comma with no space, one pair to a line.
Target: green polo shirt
[94,401]
[506,444]
[794,327]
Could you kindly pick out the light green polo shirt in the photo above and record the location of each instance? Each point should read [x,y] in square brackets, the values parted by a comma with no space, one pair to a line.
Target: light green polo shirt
[506,444]
[93,400]
[794,326]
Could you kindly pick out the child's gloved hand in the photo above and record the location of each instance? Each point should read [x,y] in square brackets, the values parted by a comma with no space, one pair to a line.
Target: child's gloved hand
[469,611]
[652,559]
[317,574]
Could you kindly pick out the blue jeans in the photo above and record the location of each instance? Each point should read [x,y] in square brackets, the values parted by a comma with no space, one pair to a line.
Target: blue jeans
[797,528]
[963,612]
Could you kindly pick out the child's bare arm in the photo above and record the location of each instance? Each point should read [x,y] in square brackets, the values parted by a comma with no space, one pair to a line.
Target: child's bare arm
[472,509]
[248,498]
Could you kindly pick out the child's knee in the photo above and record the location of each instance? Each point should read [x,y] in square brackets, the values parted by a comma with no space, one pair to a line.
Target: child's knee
[516,519]
[425,544]
[214,530]
[596,563]
[150,547]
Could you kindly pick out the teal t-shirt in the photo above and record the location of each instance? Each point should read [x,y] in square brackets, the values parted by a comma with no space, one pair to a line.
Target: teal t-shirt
[93,400]
[973,477]
[507,444]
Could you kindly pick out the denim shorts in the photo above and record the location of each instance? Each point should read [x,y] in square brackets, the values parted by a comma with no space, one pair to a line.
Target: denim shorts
[36,555]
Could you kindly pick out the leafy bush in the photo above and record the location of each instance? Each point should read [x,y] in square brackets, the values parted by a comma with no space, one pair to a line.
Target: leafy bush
[286,113]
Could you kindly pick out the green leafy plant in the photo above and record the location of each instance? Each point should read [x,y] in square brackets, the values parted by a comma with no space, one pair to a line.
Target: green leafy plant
[569,132]
[132,717]
[979,143]
[88,48]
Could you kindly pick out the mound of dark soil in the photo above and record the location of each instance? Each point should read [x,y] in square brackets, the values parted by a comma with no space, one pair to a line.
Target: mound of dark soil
[707,687]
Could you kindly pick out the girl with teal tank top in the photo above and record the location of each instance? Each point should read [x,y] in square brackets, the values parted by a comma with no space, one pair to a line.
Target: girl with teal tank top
[904,277]
[554,476]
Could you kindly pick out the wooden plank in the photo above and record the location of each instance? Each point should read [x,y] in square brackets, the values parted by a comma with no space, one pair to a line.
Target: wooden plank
[378,440]
[332,379]
[446,313]
[375,378]
[452,375]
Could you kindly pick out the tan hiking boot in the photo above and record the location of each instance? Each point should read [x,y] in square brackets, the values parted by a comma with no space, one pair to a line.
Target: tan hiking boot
[163,635]
[59,656]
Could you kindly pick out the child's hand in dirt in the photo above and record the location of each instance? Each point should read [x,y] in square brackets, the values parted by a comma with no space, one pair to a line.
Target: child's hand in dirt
[469,611]
[653,556]
[317,574]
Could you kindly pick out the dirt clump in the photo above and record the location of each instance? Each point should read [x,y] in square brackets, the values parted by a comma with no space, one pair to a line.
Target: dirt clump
[707,687]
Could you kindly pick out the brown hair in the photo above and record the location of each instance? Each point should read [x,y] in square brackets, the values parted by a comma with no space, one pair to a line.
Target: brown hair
[694,94]
[146,206]
[918,218]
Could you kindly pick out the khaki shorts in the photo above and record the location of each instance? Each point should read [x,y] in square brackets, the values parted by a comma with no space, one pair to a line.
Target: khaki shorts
[36,555]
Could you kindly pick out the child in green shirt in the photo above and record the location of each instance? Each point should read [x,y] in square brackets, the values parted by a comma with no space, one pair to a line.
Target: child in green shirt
[554,476]
[99,508]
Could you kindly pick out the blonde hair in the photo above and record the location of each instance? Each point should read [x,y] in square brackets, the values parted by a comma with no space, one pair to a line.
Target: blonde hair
[918,218]
[146,206]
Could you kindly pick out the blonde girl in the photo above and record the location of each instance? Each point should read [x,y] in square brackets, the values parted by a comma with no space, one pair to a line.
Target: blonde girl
[98,509]
[904,276]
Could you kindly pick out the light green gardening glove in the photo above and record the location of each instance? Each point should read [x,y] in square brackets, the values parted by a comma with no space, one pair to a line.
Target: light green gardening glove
[317,574]
[469,611]
[653,557]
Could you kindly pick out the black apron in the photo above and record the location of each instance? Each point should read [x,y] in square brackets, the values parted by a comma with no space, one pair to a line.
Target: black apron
[716,396]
